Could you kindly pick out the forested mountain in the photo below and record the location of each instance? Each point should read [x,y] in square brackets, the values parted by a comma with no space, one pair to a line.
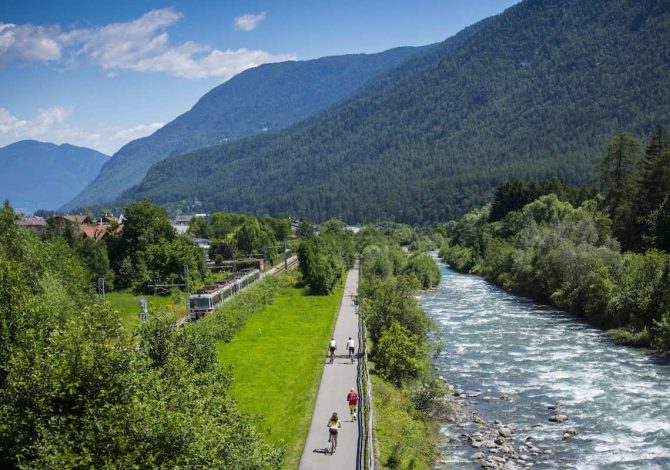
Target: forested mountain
[535,91]
[39,175]
[266,98]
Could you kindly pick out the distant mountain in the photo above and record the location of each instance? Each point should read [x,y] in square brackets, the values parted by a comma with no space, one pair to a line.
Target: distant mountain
[533,92]
[263,99]
[39,175]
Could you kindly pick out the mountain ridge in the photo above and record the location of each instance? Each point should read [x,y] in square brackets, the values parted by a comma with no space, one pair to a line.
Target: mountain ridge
[42,175]
[265,98]
[536,92]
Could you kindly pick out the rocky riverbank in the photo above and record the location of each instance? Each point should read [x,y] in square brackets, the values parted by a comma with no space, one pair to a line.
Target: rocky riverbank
[496,445]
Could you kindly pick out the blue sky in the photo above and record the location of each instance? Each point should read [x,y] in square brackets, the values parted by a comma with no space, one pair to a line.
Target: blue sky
[100,74]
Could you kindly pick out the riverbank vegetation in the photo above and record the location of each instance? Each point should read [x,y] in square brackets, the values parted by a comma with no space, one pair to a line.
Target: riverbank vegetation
[276,371]
[563,245]
[406,392]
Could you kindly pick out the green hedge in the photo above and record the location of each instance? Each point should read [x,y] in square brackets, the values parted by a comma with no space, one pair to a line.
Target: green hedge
[231,317]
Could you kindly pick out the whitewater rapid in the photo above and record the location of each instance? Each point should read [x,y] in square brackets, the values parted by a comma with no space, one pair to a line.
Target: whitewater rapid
[617,398]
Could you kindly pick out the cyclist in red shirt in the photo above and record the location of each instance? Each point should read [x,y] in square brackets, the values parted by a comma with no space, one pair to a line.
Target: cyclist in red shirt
[352,398]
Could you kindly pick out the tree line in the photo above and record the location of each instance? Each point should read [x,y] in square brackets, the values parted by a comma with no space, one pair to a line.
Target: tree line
[146,250]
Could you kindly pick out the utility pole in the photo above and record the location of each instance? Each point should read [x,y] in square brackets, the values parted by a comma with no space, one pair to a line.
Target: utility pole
[101,288]
[187,284]
[285,255]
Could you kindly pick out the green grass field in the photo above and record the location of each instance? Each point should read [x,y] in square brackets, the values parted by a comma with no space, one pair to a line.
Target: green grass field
[278,359]
[129,308]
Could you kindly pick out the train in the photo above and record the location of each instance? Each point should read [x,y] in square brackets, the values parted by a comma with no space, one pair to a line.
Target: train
[210,297]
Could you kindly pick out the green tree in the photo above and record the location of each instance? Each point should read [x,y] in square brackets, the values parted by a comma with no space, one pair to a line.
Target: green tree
[252,237]
[321,265]
[619,174]
[148,249]
[425,268]
[655,181]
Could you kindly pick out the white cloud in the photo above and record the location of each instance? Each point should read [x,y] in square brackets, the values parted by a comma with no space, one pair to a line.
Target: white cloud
[248,22]
[141,130]
[51,125]
[45,120]
[28,43]
[140,45]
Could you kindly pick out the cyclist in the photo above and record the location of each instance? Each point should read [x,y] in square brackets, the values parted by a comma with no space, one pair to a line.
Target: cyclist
[332,347]
[352,398]
[333,429]
[351,348]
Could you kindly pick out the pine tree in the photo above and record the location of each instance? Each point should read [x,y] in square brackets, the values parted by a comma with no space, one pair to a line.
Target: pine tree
[618,175]
[655,182]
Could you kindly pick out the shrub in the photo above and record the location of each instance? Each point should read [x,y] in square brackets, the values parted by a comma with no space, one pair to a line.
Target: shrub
[626,337]
[400,355]
[426,270]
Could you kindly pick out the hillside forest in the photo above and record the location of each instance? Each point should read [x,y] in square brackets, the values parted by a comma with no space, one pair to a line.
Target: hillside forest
[532,93]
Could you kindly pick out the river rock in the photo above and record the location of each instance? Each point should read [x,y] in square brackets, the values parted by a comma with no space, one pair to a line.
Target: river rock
[508,449]
[478,420]
[477,456]
[558,418]
[537,425]
[489,444]
[566,436]
[505,432]
[572,431]
[552,407]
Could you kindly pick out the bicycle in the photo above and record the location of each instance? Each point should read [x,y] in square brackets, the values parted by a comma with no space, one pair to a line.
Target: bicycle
[332,347]
[351,355]
[333,443]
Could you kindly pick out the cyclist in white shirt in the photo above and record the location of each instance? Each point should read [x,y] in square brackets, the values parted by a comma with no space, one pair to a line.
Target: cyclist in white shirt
[351,348]
[332,348]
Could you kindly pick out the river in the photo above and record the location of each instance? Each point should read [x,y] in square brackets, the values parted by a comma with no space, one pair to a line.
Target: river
[617,398]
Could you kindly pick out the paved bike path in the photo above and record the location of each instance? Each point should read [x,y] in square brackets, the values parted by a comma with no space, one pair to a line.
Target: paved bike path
[336,381]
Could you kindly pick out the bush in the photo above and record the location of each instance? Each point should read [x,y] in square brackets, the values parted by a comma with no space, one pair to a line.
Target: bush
[626,337]
[225,322]
[427,396]
[426,270]
[400,355]
[461,258]
[661,333]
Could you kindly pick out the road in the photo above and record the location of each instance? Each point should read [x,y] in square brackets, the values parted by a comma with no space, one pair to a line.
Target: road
[336,381]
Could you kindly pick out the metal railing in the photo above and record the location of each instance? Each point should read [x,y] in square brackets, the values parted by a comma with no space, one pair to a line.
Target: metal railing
[365,455]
